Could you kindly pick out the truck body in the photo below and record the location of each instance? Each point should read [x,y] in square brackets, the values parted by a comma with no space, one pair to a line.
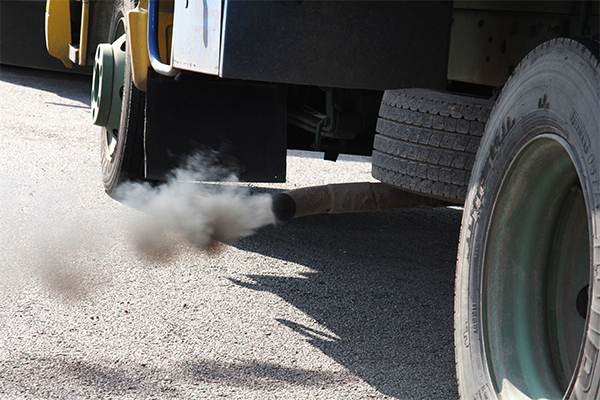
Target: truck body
[326,56]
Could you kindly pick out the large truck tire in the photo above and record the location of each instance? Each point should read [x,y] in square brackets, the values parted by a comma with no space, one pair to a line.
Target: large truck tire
[527,305]
[427,141]
[122,142]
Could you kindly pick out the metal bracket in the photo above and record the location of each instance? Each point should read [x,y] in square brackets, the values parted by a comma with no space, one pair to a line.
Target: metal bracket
[77,52]
[153,50]
[334,124]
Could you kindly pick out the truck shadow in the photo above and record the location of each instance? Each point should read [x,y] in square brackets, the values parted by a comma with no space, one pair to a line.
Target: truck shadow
[382,285]
[71,86]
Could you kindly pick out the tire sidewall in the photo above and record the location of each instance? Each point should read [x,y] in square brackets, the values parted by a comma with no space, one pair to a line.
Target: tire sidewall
[551,92]
[111,164]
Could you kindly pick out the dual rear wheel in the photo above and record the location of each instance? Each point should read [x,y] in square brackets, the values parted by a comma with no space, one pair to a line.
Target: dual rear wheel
[527,303]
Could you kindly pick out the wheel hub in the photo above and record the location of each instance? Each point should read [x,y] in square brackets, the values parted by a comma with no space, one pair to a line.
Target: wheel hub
[537,274]
[107,85]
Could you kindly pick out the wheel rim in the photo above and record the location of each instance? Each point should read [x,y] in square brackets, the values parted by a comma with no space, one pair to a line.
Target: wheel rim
[108,83]
[536,274]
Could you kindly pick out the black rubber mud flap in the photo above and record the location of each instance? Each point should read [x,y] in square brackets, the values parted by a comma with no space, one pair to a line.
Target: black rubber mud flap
[242,123]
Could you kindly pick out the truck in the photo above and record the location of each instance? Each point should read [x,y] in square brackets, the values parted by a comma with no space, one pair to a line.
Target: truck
[489,105]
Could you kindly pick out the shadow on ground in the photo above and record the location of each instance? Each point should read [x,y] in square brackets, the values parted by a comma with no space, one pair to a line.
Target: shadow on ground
[384,286]
[74,87]
[381,284]
[67,377]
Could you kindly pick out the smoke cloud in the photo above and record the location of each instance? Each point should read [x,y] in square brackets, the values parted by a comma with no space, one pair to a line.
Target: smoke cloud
[200,202]
[54,234]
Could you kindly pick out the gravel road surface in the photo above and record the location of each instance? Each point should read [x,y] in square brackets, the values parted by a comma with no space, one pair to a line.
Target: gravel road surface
[323,307]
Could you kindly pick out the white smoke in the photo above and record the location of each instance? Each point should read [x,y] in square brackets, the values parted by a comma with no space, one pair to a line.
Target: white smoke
[200,202]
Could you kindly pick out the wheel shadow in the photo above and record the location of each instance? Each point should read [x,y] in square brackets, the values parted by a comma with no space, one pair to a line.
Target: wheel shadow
[383,284]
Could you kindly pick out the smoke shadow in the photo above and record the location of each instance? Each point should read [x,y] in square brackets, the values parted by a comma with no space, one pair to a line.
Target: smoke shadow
[383,283]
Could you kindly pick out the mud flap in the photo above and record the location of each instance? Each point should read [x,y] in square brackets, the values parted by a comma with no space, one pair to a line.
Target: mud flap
[242,122]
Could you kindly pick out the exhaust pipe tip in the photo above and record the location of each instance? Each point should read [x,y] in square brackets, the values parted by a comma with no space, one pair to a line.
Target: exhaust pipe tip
[344,198]
[284,207]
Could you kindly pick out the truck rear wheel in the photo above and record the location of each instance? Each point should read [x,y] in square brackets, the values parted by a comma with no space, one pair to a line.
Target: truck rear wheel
[427,140]
[118,106]
[527,317]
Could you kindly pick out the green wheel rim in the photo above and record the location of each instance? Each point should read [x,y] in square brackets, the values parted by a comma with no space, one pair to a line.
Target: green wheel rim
[108,82]
[536,274]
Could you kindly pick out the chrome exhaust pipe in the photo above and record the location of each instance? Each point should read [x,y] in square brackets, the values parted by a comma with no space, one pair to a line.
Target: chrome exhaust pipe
[345,198]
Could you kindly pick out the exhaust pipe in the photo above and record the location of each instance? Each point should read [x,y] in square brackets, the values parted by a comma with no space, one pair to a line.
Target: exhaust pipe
[345,198]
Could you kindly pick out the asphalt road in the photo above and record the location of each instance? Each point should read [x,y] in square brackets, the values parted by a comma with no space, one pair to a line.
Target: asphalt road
[323,307]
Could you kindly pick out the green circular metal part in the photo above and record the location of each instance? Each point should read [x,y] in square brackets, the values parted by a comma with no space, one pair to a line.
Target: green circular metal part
[114,120]
[536,265]
[102,81]
[107,87]
[569,285]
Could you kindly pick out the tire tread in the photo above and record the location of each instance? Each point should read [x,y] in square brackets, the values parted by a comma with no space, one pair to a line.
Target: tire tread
[427,141]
